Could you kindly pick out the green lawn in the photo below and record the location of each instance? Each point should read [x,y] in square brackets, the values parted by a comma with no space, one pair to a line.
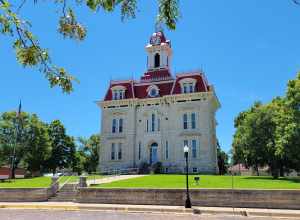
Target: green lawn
[206,181]
[36,182]
[44,181]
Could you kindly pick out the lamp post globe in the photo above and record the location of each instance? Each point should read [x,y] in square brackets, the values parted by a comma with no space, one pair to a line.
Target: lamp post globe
[188,203]
[185,149]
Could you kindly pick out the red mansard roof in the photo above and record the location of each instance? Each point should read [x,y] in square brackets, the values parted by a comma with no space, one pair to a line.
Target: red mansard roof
[156,75]
[128,92]
[201,85]
[160,78]
[164,89]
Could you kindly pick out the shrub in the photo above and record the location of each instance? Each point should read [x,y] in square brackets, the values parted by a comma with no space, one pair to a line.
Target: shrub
[144,168]
[157,168]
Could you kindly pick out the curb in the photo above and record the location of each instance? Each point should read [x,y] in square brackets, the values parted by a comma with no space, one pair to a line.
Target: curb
[167,209]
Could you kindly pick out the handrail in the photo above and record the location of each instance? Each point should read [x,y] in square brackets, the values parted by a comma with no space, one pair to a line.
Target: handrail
[65,182]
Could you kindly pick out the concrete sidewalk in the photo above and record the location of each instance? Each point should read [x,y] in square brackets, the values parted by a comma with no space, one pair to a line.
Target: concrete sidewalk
[112,179]
[70,206]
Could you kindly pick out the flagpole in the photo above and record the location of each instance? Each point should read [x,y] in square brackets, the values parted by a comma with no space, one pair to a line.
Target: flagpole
[17,141]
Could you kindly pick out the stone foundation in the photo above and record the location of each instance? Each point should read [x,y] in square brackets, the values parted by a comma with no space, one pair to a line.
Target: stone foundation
[275,199]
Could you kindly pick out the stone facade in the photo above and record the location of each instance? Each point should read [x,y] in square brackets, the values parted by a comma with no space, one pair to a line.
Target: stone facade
[150,120]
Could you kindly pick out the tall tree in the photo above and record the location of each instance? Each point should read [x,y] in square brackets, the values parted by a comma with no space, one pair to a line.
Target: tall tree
[37,147]
[30,53]
[270,134]
[222,160]
[90,148]
[248,148]
[288,120]
[9,144]
[61,147]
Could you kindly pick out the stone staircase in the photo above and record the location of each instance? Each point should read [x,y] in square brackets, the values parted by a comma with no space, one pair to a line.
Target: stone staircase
[66,194]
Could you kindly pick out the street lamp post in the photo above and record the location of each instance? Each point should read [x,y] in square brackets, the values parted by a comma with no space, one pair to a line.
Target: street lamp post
[188,203]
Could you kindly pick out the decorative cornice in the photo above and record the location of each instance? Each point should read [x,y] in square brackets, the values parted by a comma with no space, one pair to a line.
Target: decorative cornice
[168,99]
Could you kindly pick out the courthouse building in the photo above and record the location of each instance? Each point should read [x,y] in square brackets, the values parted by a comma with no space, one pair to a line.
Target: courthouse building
[151,120]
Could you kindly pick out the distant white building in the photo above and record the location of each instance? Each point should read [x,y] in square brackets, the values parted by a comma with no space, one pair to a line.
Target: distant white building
[150,120]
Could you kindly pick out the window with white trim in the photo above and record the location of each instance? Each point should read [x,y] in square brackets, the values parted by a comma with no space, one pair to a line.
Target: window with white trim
[140,151]
[193,120]
[188,85]
[117,125]
[118,94]
[120,151]
[167,150]
[147,125]
[158,124]
[185,121]
[195,170]
[153,122]
[113,151]
[120,125]
[194,149]
[114,126]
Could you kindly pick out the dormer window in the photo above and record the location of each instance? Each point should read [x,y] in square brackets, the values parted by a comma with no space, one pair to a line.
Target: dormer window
[187,85]
[153,91]
[188,88]
[118,92]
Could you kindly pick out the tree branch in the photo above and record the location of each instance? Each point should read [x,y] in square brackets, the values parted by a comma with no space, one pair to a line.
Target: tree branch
[21,5]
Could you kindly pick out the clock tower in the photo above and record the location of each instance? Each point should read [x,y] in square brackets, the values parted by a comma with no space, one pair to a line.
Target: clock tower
[159,52]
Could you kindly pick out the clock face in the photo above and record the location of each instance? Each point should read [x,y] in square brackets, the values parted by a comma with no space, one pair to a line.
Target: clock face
[153,92]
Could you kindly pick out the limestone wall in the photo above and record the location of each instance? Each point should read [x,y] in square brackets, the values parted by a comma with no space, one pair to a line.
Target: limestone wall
[24,194]
[27,194]
[281,199]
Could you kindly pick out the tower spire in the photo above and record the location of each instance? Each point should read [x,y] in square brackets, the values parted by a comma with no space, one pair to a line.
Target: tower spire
[159,27]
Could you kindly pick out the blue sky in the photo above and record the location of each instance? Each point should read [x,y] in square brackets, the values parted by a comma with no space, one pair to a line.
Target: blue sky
[248,50]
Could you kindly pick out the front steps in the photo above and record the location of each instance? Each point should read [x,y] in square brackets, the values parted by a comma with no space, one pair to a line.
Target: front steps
[66,194]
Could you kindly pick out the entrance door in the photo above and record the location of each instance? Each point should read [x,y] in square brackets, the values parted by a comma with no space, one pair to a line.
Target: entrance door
[153,153]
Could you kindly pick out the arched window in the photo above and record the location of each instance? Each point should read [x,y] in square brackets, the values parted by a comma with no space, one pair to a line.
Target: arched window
[153,153]
[156,60]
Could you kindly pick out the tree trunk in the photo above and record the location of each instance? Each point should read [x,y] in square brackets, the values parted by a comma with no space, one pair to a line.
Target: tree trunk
[256,170]
[281,171]
[275,172]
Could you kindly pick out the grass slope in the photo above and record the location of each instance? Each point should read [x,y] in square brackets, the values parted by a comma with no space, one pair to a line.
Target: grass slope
[206,181]
[27,183]
[42,182]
